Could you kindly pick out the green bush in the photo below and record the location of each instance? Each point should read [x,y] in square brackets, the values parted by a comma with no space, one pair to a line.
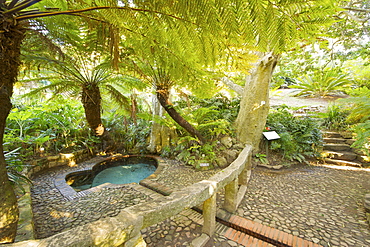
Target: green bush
[212,117]
[223,107]
[335,118]
[300,137]
[359,117]
[362,142]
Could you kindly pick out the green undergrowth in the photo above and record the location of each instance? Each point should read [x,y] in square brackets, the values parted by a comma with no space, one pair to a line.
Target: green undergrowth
[300,137]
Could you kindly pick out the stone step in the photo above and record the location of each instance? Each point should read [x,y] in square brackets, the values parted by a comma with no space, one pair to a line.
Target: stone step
[344,155]
[331,134]
[363,159]
[350,141]
[334,140]
[342,162]
[334,134]
[336,147]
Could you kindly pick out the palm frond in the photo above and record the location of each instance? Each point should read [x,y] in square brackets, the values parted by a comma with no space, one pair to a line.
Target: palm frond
[116,96]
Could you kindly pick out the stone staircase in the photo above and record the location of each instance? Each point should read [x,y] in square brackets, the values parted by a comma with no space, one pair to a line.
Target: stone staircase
[337,150]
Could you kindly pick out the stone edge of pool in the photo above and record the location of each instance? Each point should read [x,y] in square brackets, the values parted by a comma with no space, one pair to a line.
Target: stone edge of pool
[70,194]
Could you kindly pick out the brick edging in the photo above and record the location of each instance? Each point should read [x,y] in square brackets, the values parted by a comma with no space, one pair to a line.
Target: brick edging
[242,227]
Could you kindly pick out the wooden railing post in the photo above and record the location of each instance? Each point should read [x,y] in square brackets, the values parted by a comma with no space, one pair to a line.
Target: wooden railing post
[209,215]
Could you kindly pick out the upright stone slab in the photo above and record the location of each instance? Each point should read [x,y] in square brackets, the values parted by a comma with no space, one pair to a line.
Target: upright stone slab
[209,215]
[231,195]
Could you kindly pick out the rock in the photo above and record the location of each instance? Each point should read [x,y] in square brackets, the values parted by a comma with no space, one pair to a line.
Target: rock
[230,155]
[346,134]
[336,147]
[238,146]
[342,162]
[221,162]
[334,140]
[330,134]
[315,240]
[227,141]
[232,243]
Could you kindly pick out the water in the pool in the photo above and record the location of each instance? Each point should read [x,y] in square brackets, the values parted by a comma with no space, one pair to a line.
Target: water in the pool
[124,174]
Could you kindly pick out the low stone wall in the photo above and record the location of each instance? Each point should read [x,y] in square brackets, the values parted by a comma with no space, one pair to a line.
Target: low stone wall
[70,159]
[124,229]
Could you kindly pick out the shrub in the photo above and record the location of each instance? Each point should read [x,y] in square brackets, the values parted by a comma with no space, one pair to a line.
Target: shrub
[300,137]
[130,136]
[223,107]
[335,118]
[362,142]
[360,117]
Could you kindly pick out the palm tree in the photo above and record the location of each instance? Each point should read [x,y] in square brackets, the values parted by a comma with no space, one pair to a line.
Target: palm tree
[84,77]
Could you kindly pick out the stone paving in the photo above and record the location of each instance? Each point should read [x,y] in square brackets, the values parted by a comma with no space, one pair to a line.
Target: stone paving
[53,213]
[319,204]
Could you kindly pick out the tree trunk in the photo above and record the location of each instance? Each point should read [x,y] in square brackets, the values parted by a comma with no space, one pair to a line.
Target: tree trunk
[254,105]
[155,131]
[163,98]
[91,101]
[160,135]
[11,36]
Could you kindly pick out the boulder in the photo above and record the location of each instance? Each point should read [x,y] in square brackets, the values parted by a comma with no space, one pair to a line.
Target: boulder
[227,141]
[230,155]
[222,162]
[238,146]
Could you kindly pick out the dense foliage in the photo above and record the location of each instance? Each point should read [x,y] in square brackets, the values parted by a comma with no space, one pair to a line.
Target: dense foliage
[214,118]
[47,128]
[335,118]
[358,107]
[300,137]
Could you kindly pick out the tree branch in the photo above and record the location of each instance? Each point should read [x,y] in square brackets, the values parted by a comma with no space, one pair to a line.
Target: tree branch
[74,12]
[233,86]
[357,9]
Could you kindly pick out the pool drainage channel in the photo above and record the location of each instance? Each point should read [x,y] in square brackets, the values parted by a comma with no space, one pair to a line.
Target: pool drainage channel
[164,190]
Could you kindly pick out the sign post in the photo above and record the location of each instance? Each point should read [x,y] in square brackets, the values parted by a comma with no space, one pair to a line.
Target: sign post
[270,135]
